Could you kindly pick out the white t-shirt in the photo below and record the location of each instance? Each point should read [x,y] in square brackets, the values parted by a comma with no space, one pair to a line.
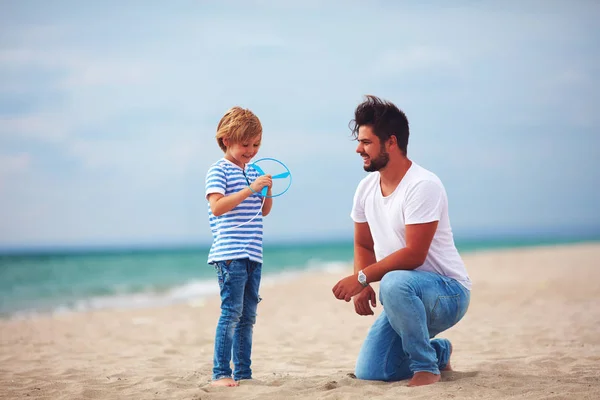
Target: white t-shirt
[419,198]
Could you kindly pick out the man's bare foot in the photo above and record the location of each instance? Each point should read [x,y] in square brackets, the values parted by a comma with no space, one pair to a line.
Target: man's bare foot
[423,378]
[224,382]
[448,366]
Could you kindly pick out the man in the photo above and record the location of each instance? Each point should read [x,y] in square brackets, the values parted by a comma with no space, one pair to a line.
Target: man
[403,238]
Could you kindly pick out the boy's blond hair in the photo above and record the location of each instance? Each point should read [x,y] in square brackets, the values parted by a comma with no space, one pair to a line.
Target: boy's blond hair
[238,125]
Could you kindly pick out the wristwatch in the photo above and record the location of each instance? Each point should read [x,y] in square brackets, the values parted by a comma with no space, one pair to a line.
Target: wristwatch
[362,278]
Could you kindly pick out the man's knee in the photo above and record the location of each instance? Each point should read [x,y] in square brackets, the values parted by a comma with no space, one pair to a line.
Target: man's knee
[395,284]
[377,372]
[368,372]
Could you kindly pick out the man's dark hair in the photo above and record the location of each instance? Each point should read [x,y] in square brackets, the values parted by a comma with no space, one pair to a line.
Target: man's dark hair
[384,118]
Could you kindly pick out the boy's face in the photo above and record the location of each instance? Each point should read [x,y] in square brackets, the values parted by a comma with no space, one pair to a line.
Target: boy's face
[242,152]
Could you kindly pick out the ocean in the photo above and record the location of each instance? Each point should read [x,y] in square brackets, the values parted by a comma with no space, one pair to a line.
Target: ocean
[53,281]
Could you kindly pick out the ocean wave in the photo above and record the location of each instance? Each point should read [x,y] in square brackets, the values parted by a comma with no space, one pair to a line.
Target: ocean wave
[192,292]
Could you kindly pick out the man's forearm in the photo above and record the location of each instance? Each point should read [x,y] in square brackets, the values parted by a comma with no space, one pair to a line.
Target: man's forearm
[403,259]
[363,257]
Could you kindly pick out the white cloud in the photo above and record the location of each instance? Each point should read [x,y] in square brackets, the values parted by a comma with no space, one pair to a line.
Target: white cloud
[45,126]
[257,39]
[143,160]
[14,163]
[109,73]
[417,59]
[82,68]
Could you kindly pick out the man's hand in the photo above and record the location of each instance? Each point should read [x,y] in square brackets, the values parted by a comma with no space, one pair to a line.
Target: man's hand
[347,287]
[361,301]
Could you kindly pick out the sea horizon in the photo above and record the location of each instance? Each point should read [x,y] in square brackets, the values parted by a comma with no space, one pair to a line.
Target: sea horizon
[519,237]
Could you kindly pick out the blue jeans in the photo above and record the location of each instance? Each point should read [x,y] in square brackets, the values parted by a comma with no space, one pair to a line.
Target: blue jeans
[239,281]
[416,307]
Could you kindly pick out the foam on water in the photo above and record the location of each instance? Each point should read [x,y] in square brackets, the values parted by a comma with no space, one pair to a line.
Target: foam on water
[192,292]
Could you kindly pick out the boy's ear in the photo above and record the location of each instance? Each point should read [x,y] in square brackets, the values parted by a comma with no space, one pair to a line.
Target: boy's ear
[225,142]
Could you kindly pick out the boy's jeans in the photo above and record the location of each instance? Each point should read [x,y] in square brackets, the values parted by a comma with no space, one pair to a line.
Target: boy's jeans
[239,281]
[417,306]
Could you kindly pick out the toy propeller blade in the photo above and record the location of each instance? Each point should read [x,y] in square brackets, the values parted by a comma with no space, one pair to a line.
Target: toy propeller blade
[259,169]
[281,176]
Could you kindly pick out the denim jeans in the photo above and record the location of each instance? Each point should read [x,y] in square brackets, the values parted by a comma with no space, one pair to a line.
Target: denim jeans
[239,281]
[417,306]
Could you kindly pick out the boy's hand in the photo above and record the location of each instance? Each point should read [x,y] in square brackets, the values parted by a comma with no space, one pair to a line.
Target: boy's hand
[261,182]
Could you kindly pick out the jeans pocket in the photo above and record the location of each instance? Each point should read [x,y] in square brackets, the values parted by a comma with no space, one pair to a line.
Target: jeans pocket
[445,312]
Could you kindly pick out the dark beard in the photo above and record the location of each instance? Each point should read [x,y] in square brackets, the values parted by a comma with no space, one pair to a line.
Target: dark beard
[377,163]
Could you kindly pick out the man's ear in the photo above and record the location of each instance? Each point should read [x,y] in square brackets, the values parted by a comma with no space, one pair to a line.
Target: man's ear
[393,140]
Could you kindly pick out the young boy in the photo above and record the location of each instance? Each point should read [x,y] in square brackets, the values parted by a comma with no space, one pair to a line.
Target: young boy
[235,212]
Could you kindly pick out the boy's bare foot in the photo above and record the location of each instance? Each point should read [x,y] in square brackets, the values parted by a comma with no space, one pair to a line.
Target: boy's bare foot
[224,382]
[423,378]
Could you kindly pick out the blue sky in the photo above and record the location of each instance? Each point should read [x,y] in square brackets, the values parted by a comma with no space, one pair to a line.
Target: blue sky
[108,111]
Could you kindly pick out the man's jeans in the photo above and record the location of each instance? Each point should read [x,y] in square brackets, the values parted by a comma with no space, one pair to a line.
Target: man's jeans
[239,281]
[417,306]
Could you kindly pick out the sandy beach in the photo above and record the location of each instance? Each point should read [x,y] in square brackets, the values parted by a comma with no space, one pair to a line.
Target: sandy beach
[532,332]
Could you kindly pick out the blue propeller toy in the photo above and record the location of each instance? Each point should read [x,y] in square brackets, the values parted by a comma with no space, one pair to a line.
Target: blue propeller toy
[263,192]
[282,175]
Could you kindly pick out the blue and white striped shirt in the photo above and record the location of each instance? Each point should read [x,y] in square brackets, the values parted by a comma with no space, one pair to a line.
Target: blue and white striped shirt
[242,242]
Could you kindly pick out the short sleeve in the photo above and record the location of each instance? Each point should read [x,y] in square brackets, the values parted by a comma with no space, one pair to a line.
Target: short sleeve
[215,180]
[358,205]
[424,203]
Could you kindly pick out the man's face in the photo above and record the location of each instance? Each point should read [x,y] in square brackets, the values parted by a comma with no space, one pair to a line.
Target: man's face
[370,148]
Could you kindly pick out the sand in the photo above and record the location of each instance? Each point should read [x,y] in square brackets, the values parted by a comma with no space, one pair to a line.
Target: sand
[532,332]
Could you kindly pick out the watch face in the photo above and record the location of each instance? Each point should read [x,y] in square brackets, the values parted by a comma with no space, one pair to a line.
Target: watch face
[362,278]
